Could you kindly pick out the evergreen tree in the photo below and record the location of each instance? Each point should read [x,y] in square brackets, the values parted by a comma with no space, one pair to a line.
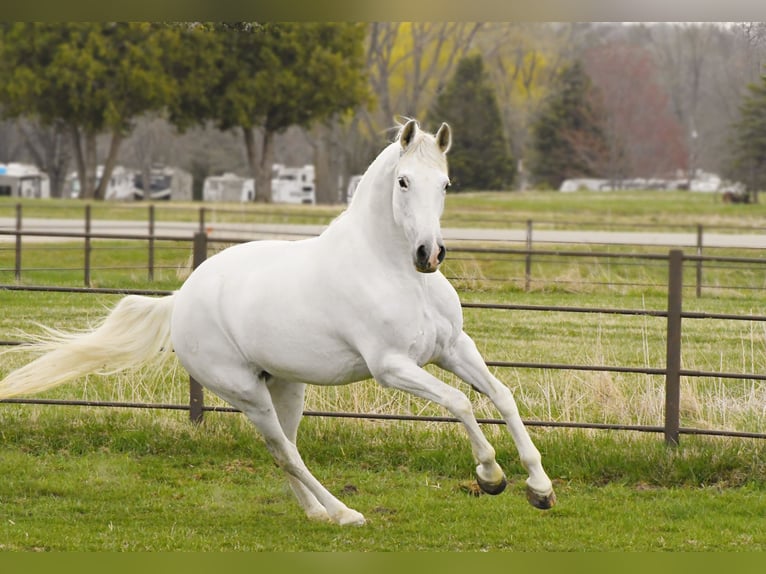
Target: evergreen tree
[480,157]
[748,141]
[567,137]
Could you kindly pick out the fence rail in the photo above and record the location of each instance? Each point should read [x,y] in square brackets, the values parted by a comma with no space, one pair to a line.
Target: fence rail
[673,314]
[533,246]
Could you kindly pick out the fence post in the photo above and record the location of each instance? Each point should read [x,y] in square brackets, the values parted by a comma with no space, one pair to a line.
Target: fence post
[86,265]
[196,394]
[17,267]
[151,242]
[528,261]
[673,357]
[202,219]
[699,261]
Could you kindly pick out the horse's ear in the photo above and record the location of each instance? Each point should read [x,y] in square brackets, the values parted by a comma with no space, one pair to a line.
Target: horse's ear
[408,133]
[444,138]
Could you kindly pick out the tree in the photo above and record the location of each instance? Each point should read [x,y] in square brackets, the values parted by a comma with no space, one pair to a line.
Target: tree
[49,147]
[408,64]
[277,75]
[684,51]
[644,138]
[748,143]
[522,59]
[568,136]
[480,157]
[93,77]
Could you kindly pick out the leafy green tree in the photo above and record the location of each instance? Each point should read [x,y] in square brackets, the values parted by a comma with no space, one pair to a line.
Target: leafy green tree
[95,77]
[480,157]
[748,141]
[567,137]
[277,75]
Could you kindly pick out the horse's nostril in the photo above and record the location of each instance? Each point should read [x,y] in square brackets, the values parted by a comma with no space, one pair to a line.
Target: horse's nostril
[442,253]
[422,254]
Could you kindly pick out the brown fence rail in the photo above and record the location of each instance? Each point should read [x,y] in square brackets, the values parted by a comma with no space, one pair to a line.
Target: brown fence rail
[671,369]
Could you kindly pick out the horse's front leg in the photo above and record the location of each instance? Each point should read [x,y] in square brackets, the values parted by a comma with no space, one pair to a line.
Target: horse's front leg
[467,363]
[402,373]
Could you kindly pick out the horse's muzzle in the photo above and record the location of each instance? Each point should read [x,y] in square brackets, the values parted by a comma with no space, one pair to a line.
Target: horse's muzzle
[427,259]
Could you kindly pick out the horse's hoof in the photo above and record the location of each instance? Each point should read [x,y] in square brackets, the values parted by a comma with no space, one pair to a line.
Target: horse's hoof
[350,518]
[492,487]
[541,501]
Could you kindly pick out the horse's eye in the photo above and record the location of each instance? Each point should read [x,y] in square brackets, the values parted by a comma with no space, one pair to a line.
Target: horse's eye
[402,181]
[447,186]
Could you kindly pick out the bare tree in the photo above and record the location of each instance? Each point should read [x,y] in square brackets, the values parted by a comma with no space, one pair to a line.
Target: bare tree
[10,142]
[645,139]
[522,60]
[50,149]
[683,52]
[408,64]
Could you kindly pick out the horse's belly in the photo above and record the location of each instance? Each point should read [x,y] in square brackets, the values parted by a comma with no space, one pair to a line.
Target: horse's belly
[296,362]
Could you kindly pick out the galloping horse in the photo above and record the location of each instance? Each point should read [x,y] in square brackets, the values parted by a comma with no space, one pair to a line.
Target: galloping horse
[258,321]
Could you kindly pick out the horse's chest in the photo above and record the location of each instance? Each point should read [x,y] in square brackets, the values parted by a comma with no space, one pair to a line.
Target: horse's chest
[426,335]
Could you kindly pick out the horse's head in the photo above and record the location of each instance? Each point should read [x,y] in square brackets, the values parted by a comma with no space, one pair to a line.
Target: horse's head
[420,184]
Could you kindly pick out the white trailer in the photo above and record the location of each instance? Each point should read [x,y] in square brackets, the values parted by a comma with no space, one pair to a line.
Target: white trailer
[23,180]
[293,184]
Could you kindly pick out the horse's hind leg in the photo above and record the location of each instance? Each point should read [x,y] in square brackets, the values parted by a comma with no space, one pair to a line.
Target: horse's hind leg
[288,402]
[250,394]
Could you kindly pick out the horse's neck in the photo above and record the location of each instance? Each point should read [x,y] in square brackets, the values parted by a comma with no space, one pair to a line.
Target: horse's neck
[371,209]
[374,191]
[368,223]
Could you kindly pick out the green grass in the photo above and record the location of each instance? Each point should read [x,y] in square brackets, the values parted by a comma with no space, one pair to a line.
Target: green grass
[659,210]
[80,479]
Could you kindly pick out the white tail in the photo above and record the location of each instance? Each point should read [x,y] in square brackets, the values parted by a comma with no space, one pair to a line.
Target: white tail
[136,333]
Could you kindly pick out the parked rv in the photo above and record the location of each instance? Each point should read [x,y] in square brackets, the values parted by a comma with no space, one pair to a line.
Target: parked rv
[165,183]
[353,182]
[23,180]
[228,187]
[120,185]
[293,184]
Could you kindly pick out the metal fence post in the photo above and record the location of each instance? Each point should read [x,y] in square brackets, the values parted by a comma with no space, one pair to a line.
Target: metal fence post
[151,243]
[17,266]
[196,393]
[202,219]
[673,357]
[699,261]
[86,265]
[528,261]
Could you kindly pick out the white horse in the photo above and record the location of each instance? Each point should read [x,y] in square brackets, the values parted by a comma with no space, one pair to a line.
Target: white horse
[257,322]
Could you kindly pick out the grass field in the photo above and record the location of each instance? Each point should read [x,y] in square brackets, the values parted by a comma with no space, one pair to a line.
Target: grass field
[99,479]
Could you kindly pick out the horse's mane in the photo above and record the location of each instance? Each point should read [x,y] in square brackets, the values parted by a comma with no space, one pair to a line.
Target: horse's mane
[427,153]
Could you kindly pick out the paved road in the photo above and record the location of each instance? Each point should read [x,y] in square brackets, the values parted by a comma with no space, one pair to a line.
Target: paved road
[236,231]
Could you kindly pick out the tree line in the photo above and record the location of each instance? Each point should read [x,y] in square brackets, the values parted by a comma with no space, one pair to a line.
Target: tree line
[531,103]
